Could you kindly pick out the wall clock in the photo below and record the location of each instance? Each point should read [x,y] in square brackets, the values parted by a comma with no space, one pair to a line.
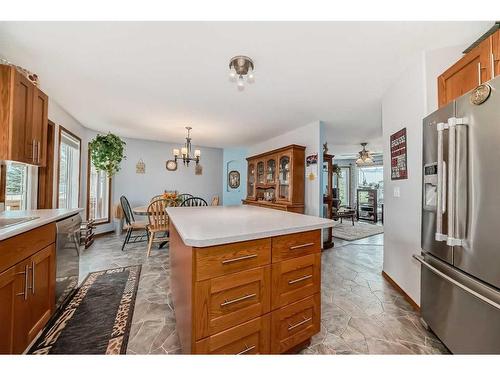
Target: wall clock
[171,165]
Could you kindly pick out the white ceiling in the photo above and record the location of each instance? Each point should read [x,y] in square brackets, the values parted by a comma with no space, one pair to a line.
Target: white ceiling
[149,80]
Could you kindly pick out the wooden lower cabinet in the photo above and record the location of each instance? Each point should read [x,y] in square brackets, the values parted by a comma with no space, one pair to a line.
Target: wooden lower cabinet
[295,323]
[226,301]
[250,297]
[252,337]
[27,288]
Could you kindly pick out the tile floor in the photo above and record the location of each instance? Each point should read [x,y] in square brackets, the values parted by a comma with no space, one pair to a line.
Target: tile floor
[361,312]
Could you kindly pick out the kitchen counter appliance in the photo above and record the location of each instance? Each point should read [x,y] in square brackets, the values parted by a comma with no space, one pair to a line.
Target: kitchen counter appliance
[67,257]
[460,278]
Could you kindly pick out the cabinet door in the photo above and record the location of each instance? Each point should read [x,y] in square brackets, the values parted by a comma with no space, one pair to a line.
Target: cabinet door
[260,172]
[42,279]
[284,177]
[495,53]
[251,180]
[470,71]
[39,126]
[271,170]
[9,286]
[22,145]
[14,311]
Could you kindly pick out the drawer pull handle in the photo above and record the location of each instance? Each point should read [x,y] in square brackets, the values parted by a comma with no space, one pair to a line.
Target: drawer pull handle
[251,256]
[293,326]
[301,246]
[290,282]
[239,299]
[246,350]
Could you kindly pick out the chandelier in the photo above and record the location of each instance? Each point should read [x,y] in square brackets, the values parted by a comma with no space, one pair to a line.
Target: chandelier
[241,70]
[186,152]
[364,157]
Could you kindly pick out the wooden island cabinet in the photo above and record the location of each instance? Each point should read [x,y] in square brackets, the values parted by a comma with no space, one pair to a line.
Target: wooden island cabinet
[234,295]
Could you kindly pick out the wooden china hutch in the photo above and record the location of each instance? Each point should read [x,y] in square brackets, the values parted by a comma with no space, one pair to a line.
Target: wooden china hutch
[276,179]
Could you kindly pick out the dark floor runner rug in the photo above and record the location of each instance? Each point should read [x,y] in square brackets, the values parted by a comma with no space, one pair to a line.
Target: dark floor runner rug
[97,319]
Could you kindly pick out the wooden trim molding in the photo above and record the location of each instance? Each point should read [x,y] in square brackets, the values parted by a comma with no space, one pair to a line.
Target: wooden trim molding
[63,129]
[87,203]
[401,291]
[3,184]
[46,174]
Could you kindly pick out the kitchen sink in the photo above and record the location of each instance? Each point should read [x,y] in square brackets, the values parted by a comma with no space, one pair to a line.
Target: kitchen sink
[9,221]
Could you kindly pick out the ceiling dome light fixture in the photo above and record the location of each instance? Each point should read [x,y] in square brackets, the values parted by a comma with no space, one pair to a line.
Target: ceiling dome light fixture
[241,70]
[365,157]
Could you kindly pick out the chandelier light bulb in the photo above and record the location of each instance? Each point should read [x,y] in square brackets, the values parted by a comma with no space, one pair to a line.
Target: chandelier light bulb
[250,76]
[232,74]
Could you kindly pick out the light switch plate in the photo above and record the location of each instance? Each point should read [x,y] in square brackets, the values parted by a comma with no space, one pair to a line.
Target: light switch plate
[396,192]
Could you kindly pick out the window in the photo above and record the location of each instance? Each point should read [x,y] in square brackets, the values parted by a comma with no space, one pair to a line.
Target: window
[372,177]
[17,186]
[343,184]
[69,169]
[98,194]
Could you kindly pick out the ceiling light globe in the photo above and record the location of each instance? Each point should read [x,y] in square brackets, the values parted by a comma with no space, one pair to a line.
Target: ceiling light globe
[250,76]
[232,74]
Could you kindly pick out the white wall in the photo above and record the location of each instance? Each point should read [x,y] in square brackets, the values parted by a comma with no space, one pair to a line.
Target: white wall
[412,96]
[309,136]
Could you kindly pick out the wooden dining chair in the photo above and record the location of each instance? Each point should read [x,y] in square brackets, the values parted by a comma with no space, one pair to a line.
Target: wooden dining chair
[156,197]
[131,225]
[215,201]
[158,222]
[194,202]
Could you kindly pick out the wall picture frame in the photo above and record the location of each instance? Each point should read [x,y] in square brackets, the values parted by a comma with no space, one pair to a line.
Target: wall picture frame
[399,166]
[233,179]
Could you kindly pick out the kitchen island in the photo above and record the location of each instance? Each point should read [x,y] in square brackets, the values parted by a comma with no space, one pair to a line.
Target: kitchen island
[245,279]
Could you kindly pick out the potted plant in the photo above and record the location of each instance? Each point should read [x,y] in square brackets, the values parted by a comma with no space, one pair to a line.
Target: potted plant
[107,152]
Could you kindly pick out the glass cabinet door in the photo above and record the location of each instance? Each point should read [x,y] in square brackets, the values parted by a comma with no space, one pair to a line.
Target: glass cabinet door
[251,180]
[284,177]
[260,173]
[271,171]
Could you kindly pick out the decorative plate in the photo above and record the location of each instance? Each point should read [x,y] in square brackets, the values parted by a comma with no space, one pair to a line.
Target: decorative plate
[171,165]
[480,94]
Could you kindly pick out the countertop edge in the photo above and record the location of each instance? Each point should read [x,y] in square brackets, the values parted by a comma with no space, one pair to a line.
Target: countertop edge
[248,237]
[33,224]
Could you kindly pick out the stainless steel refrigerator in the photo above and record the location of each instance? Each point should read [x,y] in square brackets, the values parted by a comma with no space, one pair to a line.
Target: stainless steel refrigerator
[460,278]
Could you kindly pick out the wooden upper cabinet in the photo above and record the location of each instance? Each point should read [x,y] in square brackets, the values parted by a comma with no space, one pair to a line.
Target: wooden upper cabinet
[470,71]
[495,53]
[23,118]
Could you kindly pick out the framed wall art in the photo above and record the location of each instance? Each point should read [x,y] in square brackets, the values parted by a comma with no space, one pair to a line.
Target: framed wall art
[399,166]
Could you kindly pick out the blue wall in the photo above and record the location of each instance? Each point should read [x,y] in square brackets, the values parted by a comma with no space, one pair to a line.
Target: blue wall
[234,159]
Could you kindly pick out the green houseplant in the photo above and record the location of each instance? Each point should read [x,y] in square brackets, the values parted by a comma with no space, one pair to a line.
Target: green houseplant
[107,152]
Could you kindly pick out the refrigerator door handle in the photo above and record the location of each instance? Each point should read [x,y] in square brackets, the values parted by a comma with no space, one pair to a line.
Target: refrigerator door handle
[452,239]
[433,269]
[441,185]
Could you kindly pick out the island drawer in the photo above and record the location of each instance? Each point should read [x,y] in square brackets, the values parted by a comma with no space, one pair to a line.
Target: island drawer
[293,324]
[295,279]
[295,245]
[226,301]
[222,260]
[252,337]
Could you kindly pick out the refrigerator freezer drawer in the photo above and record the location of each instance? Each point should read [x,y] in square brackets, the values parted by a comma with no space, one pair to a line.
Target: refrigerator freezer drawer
[461,311]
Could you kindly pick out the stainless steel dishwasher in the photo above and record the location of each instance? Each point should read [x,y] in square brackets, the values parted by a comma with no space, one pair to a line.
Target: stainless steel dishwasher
[67,257]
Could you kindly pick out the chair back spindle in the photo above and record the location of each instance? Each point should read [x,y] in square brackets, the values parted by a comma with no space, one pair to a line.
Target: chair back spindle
[194,202]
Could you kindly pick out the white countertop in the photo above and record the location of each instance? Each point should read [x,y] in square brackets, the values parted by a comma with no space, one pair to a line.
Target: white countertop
[216,225]
[43,217]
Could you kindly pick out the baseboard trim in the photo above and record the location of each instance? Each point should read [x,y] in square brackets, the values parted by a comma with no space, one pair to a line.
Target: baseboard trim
[402,292]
